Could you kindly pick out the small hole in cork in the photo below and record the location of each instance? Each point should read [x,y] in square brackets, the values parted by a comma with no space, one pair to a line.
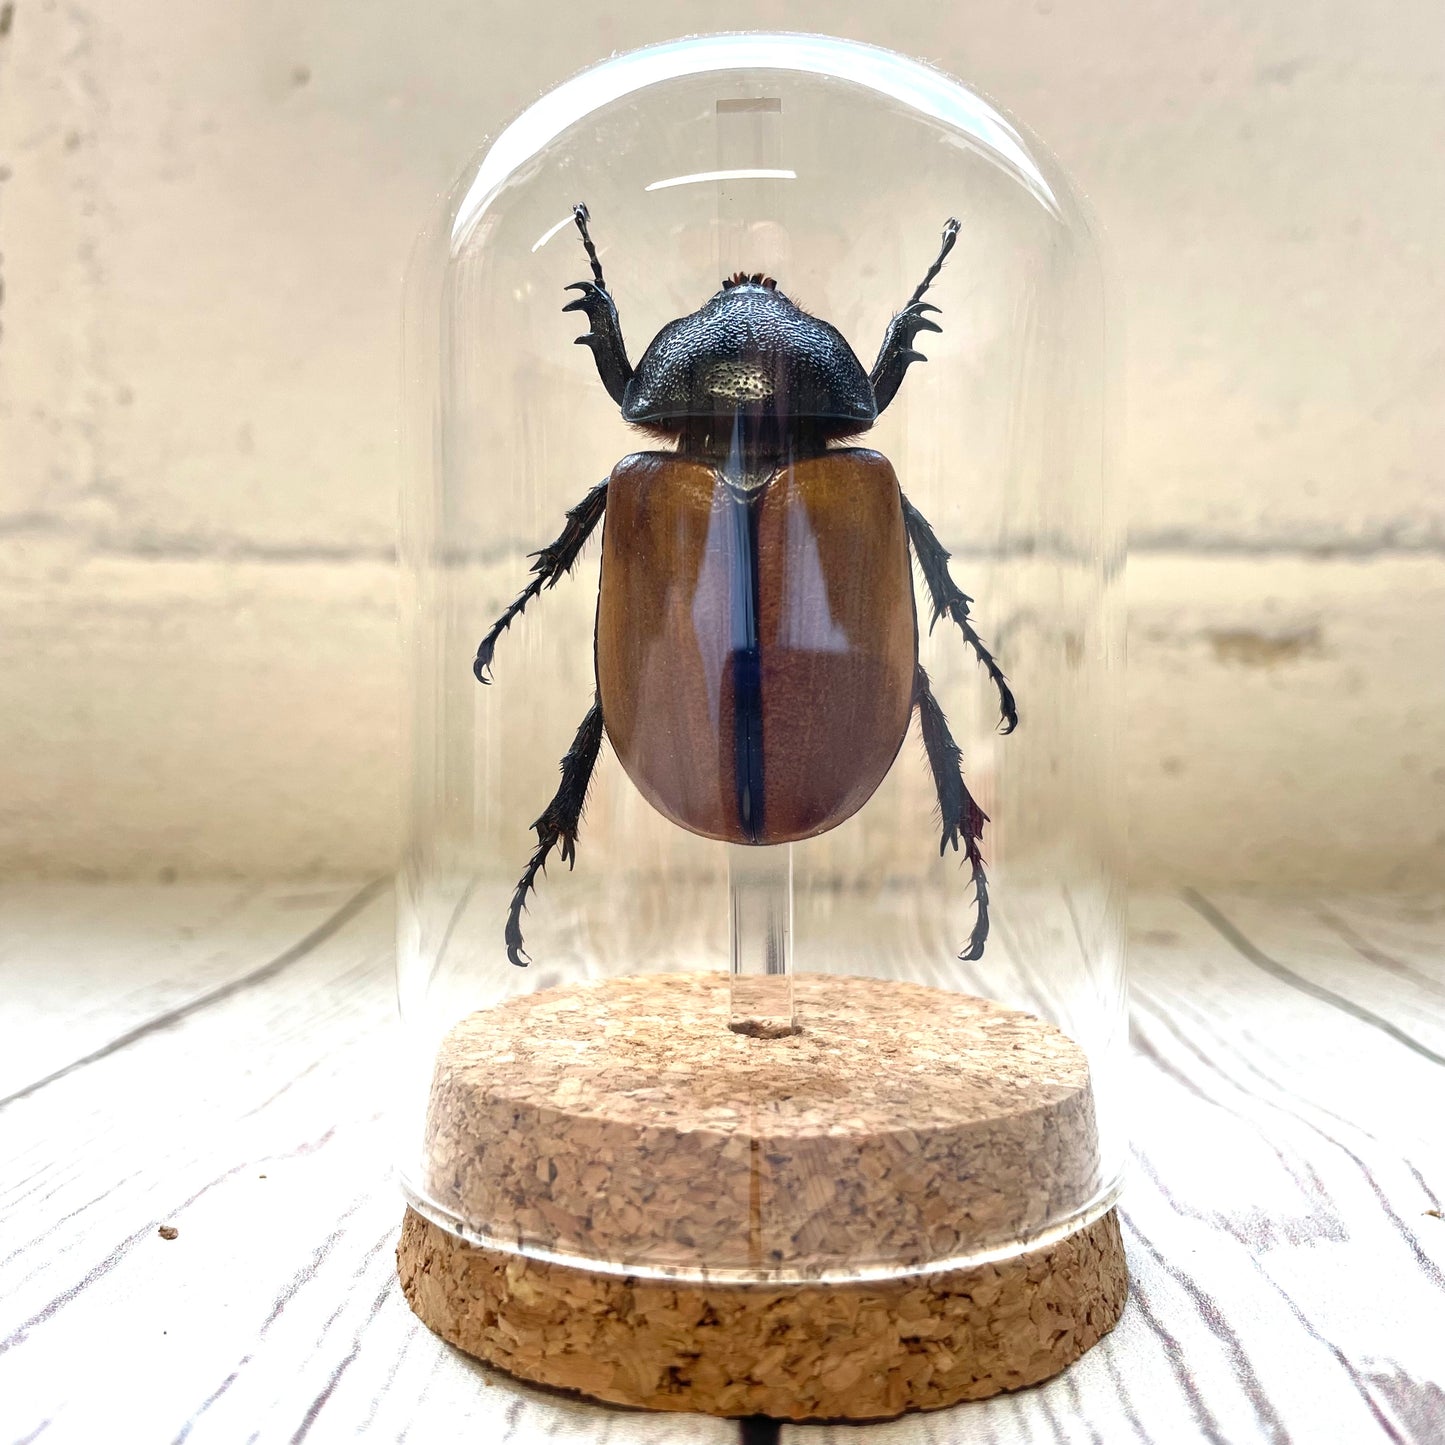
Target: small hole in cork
[765,1028]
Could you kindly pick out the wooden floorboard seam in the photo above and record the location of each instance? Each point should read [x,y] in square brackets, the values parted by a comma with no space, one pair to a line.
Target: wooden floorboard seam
[298,950]
[1242,945]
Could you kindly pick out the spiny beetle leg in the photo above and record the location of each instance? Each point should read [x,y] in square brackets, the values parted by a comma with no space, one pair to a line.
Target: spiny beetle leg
[963,820]
[898,353]
[605,338]
[950,601]
[557,827]
[549,566]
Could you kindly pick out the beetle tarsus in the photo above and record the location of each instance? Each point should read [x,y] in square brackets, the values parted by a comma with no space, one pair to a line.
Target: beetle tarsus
[962,819]
[950,235]
[557,827]
[950,601]
[580,216]
[979,936]
[549,566]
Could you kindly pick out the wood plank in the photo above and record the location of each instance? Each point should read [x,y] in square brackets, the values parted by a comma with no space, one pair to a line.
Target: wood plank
[1285,1152]
[179,1127]
[1349,1037]
[82,965]
[1314,949]
[1394,932]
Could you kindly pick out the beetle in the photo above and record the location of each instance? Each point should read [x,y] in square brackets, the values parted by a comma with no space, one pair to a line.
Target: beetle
[756,638]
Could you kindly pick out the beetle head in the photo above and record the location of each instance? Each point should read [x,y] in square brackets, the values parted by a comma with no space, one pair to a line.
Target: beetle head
[750,353]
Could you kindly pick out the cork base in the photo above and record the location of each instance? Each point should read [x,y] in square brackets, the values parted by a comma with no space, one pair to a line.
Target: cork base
[621,1119]
[797,1352]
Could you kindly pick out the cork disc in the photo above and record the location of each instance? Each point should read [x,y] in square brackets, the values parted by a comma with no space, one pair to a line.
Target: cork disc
[622,1120]
[902,1129]
[826,1352]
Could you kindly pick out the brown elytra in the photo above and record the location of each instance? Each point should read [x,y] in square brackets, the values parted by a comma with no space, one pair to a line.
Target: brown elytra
[756,647]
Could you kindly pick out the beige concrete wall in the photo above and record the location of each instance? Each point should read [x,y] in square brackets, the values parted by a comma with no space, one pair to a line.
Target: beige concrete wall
[206,210]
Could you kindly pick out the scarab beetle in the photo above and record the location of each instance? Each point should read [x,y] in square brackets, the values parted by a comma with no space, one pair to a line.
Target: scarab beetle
[756,644]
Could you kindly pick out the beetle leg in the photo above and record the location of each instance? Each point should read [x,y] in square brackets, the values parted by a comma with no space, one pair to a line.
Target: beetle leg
[950,601]
[549,566]
[962,818]
[609,350]
[897,353]
[558,823]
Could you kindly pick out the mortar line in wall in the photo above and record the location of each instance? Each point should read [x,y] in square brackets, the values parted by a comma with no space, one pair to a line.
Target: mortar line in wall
[1346,549]
[304,555]
[1165,543]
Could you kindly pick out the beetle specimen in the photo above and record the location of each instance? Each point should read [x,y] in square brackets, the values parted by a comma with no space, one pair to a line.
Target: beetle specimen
[756,644]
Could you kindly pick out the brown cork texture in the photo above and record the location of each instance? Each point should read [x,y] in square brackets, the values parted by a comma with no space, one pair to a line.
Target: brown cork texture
[799,1352]
[902,1128]
[622,1120]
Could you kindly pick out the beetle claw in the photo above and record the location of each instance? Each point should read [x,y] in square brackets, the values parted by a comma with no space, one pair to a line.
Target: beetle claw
[592,295]
[912,321]
[593,300]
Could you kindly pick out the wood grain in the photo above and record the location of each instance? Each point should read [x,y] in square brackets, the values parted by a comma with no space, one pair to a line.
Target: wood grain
[1288,1275]
[74,984]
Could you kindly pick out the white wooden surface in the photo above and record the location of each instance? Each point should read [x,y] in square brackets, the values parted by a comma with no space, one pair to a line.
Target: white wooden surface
[213,1058]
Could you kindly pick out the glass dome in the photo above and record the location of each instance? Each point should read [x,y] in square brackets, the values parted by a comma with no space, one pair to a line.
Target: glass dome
[775,916]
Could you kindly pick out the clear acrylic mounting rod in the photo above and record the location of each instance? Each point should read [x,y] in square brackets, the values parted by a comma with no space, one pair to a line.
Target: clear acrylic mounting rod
[760,926]
[753,193]
[754,188]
